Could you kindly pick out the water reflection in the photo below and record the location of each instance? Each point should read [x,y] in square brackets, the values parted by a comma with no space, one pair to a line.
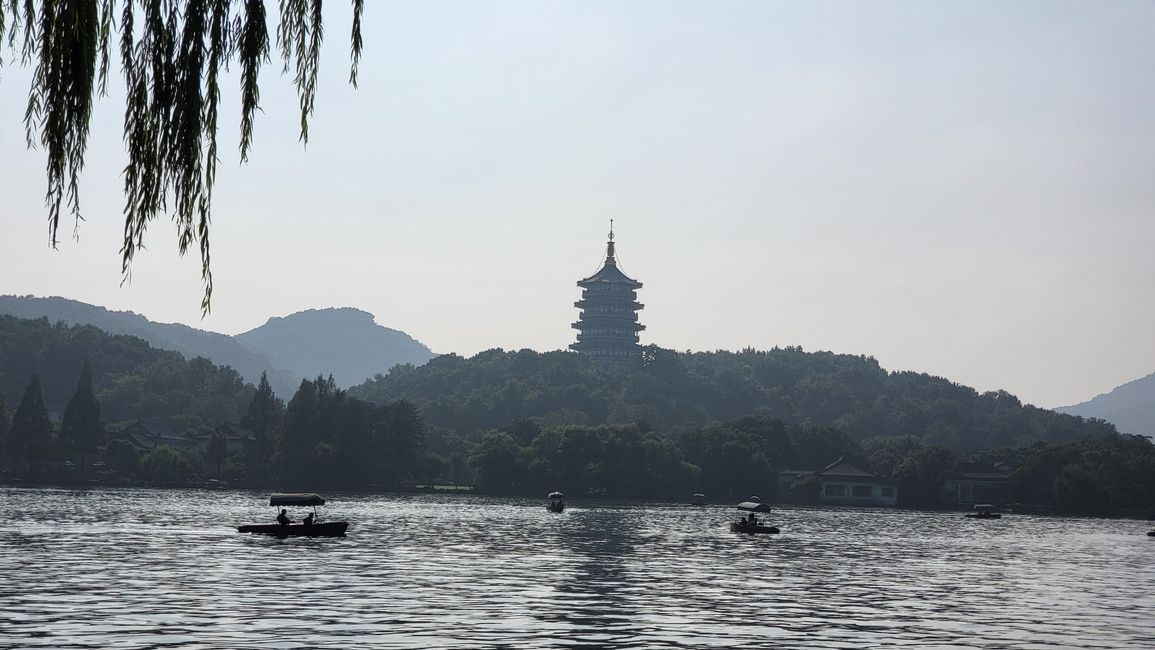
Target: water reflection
[153,569]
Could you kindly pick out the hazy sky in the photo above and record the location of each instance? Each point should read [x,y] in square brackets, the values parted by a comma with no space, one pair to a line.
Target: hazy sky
[965,189]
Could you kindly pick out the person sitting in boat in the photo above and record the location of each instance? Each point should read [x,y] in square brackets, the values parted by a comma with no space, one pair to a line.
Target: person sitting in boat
[283,518]
[308,520]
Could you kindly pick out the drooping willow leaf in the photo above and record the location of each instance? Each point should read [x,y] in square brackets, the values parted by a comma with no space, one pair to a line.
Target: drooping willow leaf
[172,53]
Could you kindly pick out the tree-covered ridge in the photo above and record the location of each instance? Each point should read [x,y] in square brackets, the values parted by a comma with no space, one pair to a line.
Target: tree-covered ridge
[131,379]
[672,390]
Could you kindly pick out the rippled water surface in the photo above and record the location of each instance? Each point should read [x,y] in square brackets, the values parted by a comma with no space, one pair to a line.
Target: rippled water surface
[151,569]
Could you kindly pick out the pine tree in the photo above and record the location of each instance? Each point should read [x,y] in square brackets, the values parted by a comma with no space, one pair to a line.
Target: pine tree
[82,430]
[30,439]
[217,451]
[264,416]
[3,431]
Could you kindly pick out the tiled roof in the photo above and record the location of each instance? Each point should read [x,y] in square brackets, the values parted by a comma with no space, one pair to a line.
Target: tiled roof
[610,273]
[980,471]
[842,468]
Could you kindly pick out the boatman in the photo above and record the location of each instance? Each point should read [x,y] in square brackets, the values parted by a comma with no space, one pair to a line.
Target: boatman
[283,518]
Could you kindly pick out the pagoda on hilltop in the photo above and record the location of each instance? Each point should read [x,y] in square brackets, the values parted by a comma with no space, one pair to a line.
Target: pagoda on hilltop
[608,325]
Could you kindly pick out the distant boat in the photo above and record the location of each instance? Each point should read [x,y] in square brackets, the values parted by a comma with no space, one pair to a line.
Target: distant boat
[752,524]
[312,526]
[697,499]
[984,511]
[556,502]
[1151,533]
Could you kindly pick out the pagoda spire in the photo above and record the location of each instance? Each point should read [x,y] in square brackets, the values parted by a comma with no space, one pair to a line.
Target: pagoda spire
[610,261]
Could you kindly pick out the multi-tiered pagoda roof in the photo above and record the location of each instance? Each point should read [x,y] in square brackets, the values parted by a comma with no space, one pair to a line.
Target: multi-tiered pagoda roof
[608,326]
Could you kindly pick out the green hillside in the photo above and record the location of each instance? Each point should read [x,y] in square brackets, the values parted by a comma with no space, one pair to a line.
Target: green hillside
[672,390]
[131,379]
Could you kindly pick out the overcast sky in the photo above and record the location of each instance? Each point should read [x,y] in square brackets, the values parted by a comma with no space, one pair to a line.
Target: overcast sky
[965,189]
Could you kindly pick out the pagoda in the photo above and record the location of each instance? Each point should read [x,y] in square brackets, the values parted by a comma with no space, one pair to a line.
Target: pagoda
[608,325]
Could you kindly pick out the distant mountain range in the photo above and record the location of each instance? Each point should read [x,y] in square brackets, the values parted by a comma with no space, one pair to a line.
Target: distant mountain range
[346,343]
[1130,407]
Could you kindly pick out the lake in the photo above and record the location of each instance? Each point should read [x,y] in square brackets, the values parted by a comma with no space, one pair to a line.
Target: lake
[136,568]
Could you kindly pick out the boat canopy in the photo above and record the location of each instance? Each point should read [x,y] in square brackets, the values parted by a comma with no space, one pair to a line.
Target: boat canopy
[296,499]
[753,506]
[984,506]
[556,495]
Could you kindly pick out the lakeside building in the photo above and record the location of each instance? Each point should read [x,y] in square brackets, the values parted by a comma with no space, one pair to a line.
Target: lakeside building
[608,326]
[144,438]
[843,484]
[972,483]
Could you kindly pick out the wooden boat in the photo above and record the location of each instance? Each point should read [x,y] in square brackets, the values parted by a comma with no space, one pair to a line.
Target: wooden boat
[326,529]
[759,528]
[984,511]
[697,499]
[315,527]
[752,525]
[556,502]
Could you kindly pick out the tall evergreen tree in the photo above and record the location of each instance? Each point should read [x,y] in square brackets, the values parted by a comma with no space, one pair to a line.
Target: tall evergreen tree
[82,430]
[3,432]
[297,448]
[266,411]
[30,439]
[217,451]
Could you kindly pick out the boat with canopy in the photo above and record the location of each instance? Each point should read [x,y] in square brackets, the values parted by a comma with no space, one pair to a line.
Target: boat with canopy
[311,526]
[752,524]
[556,502]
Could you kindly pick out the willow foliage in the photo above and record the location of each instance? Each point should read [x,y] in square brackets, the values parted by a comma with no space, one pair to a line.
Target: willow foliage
[172,53]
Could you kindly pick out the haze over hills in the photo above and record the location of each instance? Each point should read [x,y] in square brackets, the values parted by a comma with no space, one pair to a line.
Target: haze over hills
[344,342]
[289,348]
[1130,407]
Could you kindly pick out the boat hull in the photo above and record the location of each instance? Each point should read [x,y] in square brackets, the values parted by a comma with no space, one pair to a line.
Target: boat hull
[990,515]
[556,507]
[327,529]
[753,530]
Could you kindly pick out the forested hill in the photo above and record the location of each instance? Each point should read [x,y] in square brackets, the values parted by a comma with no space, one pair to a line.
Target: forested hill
[221,349]
[671,390]
[343,342]
[131,379]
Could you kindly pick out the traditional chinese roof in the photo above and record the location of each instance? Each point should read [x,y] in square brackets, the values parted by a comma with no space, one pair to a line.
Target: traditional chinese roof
[610,273]
[842,468]
[981,472]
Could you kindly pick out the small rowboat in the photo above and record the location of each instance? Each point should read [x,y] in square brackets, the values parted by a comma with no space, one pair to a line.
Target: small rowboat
[751,525]
[311,527]
[984,511]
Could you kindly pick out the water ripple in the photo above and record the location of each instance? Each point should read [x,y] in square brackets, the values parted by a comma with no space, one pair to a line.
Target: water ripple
[164,569]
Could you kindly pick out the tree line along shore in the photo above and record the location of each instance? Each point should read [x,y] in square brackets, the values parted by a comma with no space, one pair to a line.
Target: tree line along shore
[111,409]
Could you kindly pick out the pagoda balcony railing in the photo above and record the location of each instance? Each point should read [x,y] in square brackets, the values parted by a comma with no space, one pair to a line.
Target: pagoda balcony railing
[608,339]
[586,301]
[589,327]
[609,313]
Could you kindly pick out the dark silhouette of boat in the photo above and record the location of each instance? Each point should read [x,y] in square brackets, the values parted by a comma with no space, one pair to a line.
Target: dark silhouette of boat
[1151,533]
[311,527]
[556,502]
[697,499]
[984,511]
[752,525]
